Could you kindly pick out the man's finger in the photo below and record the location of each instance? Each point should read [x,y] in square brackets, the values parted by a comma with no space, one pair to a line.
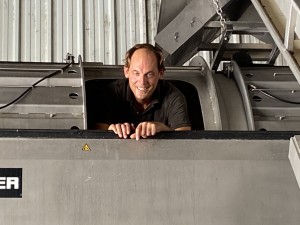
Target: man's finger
[119,130]
[153,129]
[144,129]
[138,132]
[132,136]
[128,128]
[113,128]
[148,129]
[124,128]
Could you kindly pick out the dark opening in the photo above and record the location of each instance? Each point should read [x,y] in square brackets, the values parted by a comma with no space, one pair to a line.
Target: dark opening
[193,103]
[96,90]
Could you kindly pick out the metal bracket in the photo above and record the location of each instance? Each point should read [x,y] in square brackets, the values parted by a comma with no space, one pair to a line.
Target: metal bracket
[273,56]
[222,47]
[70,58]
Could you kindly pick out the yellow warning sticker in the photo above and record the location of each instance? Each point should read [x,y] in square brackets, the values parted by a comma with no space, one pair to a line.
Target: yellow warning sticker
[86,148]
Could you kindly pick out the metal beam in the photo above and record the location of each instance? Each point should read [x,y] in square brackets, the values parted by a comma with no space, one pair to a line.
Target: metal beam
[237,47]
[241,27]
[291,62]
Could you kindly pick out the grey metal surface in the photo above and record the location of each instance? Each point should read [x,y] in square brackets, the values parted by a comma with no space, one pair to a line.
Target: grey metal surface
[251,16]
[169,9]
[294,156]
[182,36]
[232,111]
[291,62]
[151,182]
[208,96]
[273,82]
[55,103]
[239,78]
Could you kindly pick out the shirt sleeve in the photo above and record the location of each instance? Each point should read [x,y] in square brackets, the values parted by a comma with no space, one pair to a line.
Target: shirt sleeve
[177,110]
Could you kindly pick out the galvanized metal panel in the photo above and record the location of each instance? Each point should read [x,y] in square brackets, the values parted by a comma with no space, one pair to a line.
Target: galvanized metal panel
[54,103]
[150,182]
[99,30]
[9,17]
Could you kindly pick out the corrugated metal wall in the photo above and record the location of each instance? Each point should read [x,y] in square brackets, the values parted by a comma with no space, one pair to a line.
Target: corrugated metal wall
[99,30]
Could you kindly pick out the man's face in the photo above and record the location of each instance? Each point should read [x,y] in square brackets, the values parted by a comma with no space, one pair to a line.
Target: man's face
[143,75]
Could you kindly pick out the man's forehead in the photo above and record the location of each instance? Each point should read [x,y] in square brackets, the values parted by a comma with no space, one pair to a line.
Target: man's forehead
[143,52]
[145,57]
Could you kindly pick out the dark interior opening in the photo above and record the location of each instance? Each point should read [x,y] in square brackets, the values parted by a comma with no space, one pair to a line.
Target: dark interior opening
[96,90]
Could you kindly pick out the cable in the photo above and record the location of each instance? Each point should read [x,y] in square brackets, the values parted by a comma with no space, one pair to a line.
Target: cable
[254,88]
[33,86]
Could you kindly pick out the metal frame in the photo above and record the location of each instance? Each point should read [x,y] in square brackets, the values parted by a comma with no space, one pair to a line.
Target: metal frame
[283,45]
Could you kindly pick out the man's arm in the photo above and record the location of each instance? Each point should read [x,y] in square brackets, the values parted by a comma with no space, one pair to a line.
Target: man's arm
[184,128]
[101,126]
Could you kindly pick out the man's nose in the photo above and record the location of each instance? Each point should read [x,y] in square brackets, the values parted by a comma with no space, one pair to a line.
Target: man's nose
[143,79]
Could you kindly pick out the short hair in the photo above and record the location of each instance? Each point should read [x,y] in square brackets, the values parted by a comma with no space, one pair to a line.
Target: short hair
[158,53]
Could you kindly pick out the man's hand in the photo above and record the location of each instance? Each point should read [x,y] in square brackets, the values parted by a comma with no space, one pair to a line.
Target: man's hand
[123,130]
[146,129]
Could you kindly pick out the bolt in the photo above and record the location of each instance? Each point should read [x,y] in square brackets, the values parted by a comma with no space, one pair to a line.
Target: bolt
[176,35]
[193,21]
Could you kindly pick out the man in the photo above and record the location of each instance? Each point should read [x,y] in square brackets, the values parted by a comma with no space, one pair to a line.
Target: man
[142,104]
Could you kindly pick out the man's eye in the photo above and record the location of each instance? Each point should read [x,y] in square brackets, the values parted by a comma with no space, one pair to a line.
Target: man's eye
[150,74]
[136,74]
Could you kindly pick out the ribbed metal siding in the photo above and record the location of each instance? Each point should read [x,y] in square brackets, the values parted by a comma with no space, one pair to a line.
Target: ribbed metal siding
[9,29]
[99,30]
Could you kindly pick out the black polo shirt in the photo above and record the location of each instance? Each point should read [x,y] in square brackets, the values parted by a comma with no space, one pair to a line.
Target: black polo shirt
[168,105]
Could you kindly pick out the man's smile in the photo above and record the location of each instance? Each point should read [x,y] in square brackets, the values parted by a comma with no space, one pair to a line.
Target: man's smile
[142,88]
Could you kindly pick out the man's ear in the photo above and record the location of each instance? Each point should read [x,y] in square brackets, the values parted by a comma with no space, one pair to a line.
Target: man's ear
[126,71]
[161,73]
